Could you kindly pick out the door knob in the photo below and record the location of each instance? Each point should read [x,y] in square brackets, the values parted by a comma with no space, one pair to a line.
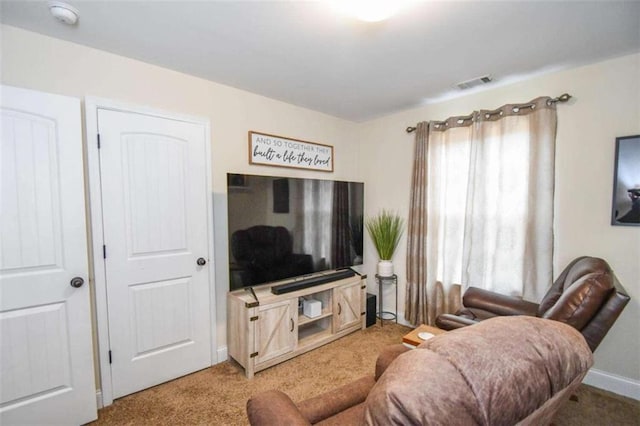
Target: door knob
[201,261]
[76,282]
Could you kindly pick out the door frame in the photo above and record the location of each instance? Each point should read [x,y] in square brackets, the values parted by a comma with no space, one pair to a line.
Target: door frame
[96,261]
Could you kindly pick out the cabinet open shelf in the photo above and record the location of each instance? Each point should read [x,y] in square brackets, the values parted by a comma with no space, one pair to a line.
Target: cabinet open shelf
[303,319]
[311,333]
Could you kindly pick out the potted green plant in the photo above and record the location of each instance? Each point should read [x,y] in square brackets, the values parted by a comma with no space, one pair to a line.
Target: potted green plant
[385,230]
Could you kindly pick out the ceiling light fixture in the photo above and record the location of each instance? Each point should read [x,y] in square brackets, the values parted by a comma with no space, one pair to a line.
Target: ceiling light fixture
[63,12]
[368,10]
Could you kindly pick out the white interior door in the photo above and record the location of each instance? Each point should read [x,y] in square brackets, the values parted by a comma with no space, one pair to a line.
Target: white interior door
[156,230]
[46,359]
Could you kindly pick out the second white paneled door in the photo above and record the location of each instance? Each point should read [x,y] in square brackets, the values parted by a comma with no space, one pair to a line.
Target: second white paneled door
[154,186]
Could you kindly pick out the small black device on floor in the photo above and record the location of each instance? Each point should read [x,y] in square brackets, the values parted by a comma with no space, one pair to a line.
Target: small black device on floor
[371,309]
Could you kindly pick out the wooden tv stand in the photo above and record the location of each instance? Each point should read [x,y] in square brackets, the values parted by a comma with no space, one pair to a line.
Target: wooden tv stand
[271,330]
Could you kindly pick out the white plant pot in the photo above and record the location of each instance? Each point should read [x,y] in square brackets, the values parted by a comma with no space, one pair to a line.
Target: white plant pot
[385,268]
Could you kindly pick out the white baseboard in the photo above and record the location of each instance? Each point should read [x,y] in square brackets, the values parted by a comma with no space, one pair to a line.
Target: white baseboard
[613,383]
[222,354]
[404,322]
[99,398]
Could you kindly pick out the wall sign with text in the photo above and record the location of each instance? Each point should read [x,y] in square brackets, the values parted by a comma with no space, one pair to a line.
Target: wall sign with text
[272,150]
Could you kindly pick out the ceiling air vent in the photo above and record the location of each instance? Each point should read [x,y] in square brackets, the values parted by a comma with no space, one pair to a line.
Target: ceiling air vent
[474,82]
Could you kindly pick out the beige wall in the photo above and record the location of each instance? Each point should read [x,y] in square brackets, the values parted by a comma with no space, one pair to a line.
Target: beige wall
[606,104]
[379,152]
[37,62]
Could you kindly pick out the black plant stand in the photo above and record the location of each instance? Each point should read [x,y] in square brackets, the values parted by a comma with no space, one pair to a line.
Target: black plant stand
[387,315]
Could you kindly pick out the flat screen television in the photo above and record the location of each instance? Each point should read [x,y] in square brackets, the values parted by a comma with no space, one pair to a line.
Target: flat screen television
[281,227]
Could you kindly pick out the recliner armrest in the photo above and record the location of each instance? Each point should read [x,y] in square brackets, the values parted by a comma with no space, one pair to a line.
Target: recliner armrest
[497,303]
[274,408]
[452,322]
[387,356]
[335,401]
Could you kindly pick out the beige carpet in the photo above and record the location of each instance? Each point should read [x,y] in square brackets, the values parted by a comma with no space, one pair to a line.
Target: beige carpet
[217,395]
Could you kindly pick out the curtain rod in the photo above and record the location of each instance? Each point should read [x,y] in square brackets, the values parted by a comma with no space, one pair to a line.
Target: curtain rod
[562,98]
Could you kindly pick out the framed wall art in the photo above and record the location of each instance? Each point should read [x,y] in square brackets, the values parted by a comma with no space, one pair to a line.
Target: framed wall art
[272,150]
[625,209]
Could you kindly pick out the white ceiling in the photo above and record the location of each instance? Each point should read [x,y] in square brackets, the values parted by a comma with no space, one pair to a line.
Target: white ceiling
[306,54]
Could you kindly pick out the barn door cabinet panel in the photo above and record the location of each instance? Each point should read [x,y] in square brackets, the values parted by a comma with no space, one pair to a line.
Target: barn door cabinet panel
[269,329]
[275,330]
[348,306]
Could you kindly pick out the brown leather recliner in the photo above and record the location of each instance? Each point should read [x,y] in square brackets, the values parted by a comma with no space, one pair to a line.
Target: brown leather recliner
[465,377]
[587,296]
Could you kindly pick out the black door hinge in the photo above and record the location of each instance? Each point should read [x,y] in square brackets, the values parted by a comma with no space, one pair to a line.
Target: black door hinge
[110,356]
[253,355]
[98,140]
[104,251]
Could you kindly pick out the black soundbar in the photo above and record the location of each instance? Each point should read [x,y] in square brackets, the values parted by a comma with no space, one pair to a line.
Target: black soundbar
[312,281]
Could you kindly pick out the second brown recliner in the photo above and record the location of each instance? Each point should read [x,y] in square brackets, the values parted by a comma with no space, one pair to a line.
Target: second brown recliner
[586,295]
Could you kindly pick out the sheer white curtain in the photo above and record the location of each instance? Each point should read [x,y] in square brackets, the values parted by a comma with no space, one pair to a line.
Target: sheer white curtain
[448,173]
[489,207]
[508,237]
